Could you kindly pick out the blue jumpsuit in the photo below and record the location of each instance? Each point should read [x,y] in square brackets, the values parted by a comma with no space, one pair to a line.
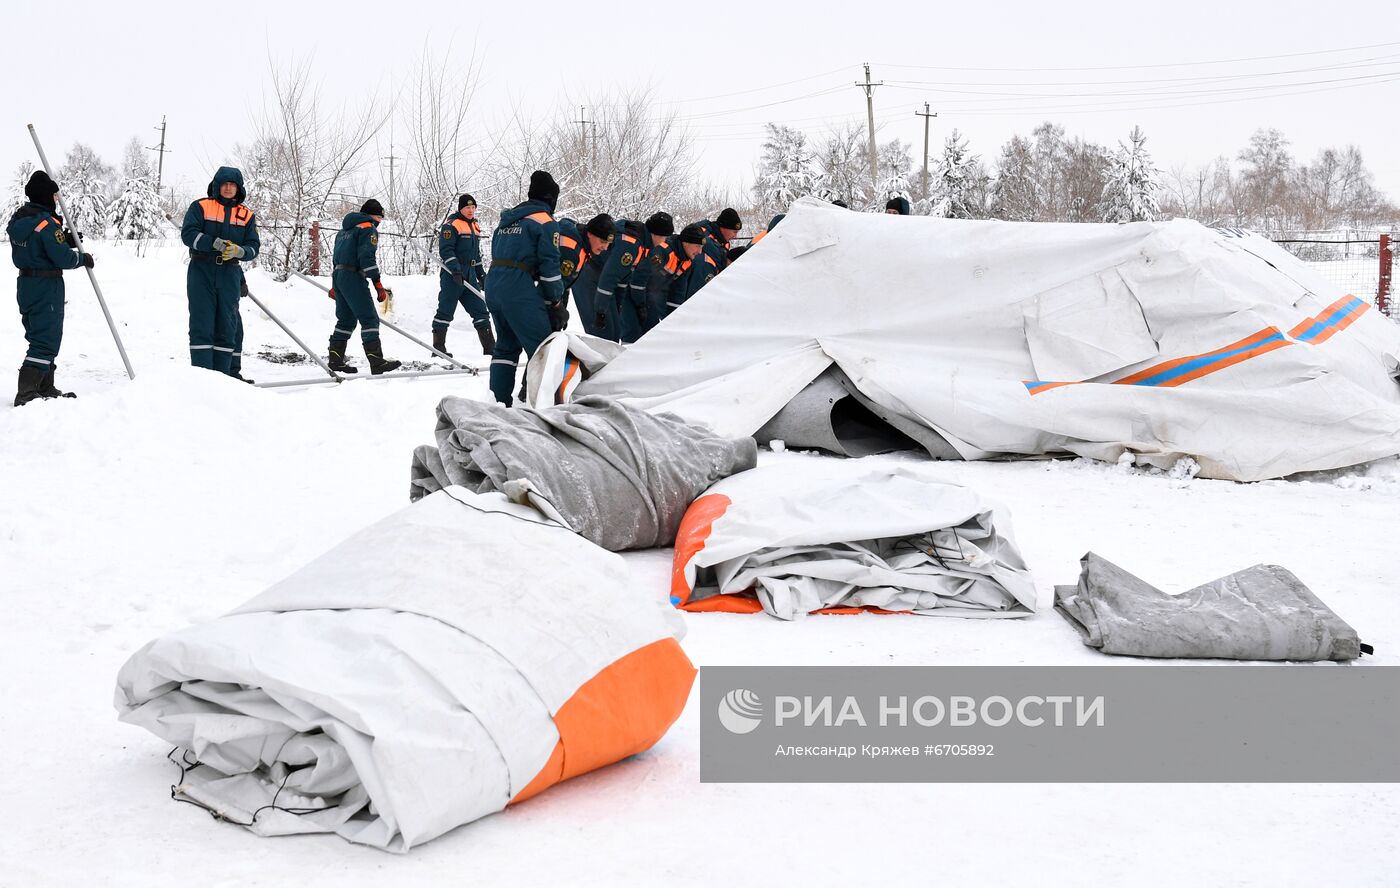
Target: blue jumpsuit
[41,252]
[213,285]
[459,248]
[664,268]
[614,297]
[355,246]
[523,281]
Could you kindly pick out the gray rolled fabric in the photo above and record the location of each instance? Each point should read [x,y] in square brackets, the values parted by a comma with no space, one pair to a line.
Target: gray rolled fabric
[618,476]
[1260,613]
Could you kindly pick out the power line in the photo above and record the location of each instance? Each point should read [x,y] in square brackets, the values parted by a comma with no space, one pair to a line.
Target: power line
[1235,61]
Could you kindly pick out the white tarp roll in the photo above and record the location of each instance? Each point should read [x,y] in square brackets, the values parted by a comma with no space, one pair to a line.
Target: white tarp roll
[810,535]
[499,655]
[1162,339]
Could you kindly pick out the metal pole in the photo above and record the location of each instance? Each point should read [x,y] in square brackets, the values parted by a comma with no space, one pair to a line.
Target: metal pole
[927,117]
[407,374]
[401,331]
[77,242]
[870,115]
[288,330]
[1383,284]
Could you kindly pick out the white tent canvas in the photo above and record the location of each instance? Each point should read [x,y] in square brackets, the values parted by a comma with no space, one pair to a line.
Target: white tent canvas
[1023,339]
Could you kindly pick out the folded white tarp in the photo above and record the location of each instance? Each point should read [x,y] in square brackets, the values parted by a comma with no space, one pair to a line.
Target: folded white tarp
[819,535]
[1002,338]
[456,657]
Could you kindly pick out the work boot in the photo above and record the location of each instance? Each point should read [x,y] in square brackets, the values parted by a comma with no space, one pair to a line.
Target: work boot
[440,341]
[488,342]
[47,389]
[31,383]
[378,364]
[239,376]
[337,357]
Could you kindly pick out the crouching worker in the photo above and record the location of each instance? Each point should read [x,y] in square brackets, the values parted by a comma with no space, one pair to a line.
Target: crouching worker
[355,247]
[220,232]
[524,287]
[41,250]
[459,248]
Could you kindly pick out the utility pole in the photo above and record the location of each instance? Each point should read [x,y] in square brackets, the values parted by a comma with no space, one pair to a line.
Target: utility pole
[392,158]
[869,88]
[583,124]
[160,151]
[927,117]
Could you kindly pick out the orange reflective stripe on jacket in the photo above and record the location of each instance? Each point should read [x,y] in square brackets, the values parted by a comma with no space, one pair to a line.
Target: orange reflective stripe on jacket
[241,215]
[758,237]
[541,218]
[213,210]
[672,263]
[43,223]
[567,242]
[465,227]
[365,225]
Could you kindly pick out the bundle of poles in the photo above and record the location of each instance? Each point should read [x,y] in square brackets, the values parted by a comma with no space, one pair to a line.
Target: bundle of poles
[331,376]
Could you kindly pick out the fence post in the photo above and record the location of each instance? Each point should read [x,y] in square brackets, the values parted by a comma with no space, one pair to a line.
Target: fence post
[315,248]
[1383,287]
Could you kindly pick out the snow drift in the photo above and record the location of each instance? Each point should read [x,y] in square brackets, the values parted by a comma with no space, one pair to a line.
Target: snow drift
[1024,339]
[501,654]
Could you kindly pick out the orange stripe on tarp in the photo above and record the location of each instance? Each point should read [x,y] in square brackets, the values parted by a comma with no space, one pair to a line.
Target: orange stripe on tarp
[696,525]
[1157,369]
[1303,325]
[723,604]
[569,374]
[623,710]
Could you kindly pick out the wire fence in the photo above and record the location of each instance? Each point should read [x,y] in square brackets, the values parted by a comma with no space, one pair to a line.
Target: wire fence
[1354,263]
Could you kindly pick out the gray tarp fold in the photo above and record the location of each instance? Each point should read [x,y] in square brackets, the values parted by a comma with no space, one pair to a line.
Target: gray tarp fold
[620,477]
[1261,613]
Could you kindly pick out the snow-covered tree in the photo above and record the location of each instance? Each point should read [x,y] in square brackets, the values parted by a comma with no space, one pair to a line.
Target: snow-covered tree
[844,164]
[895,166]
[958,183]
[135,163]
[136,213]
[85,182]
[14,196]
[1016,195]
[1131,184]
[786,171]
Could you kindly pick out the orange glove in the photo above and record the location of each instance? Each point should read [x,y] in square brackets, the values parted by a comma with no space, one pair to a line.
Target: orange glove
[331,292]
[383,292]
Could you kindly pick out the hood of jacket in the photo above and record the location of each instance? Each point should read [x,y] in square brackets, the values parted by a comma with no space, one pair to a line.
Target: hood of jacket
[228,174]
[353,220]
[516,213]
[17,227]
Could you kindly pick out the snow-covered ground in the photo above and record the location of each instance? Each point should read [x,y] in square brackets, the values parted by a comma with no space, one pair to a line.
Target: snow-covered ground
[142,506]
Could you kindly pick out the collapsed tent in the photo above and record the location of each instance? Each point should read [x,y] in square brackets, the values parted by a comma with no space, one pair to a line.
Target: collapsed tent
[619,476]
[391,712]
[823,536]
[1003,339]
[1261,613]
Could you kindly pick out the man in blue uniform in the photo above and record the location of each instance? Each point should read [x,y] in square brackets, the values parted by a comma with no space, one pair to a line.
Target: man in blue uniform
[663,266]
[355,246]
[459,248]
[220,232]
[41,249]
[524,287]
[695,241]
[618,305]
[594,313]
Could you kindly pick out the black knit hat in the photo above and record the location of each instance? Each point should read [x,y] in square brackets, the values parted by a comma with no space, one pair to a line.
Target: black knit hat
[465,201]
[40,188]
[729,218]
[601,226]
[693,233]
[372,207]
[661,224]
[543,187]
[898,204]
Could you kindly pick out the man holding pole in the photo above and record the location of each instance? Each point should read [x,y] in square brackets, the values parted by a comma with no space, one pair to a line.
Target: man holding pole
[459,248]
[220,232]
[355,247]
[41,250]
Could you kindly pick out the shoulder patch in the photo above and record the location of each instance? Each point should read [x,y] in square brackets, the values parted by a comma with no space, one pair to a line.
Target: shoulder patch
[566,268]
[58,235]
[447,234]
[374,240]
[556,240]
[626,259]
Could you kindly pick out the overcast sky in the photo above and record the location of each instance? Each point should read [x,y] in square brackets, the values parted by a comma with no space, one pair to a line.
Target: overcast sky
[1198,77]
